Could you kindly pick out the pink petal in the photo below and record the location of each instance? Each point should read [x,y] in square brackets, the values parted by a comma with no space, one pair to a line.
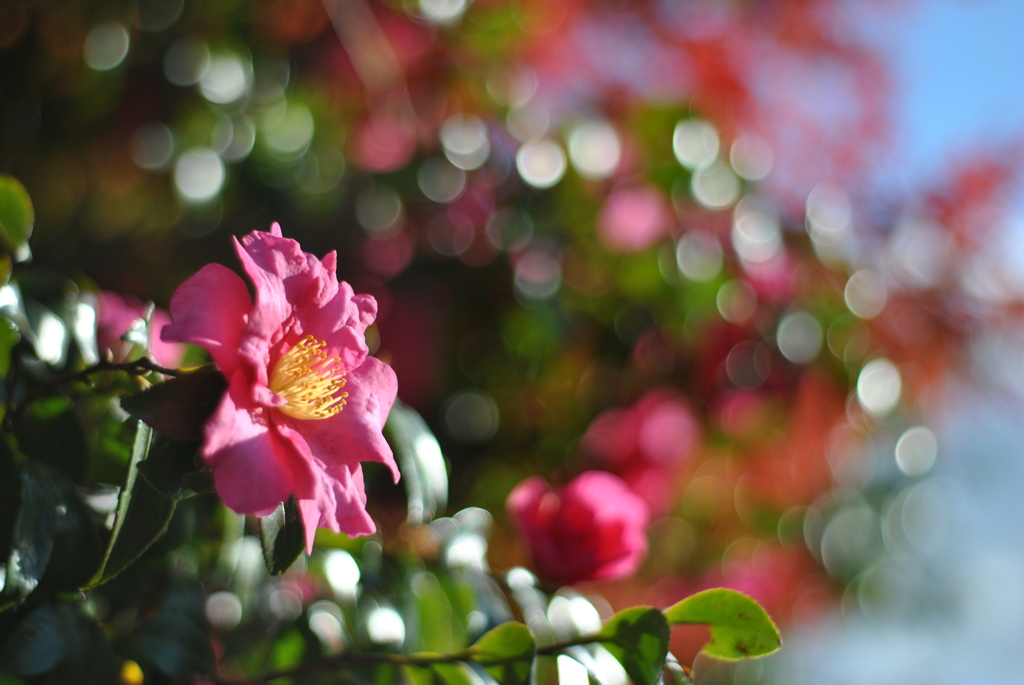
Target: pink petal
[250,462]
[209,309]
[340,504]
[354,434]
[300,461]
[272,307]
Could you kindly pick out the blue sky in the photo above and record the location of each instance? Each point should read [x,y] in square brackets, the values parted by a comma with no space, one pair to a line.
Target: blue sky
[959,69]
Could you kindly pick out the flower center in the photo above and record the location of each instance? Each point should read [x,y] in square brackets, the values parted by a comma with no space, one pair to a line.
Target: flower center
[308,380]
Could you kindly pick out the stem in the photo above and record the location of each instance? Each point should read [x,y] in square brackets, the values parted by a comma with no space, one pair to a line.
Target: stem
[421,661]
[138,367]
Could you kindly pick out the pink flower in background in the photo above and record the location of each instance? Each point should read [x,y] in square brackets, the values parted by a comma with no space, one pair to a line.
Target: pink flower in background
[305,404]
[592,529]
[115,316]
[633,219]
[646,444]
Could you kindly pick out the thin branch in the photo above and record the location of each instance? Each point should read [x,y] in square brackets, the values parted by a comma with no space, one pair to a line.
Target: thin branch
[138,367]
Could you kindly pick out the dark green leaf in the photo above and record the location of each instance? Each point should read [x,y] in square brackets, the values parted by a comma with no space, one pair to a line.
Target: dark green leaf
[740,628]
[90,658]
[10,499]
[37,644]
[78,538]
[506,653]
[638,638]
[31,540]
[179,407]
[420,461]
[51,433]
[169,465]
[177,640]
[17,215]
[142,514]
[283,536]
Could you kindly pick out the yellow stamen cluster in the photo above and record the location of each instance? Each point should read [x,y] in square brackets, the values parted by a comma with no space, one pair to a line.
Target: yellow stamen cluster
[308,380]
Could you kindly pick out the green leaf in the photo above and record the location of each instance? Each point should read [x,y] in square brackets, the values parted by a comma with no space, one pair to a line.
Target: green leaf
[506,653]
[17,216]
[420,460]
[638,638]
[283,536]
[51,433]
[740,628]
[179,407]
[437,630]
[171,466]
[441,674]
[143,513]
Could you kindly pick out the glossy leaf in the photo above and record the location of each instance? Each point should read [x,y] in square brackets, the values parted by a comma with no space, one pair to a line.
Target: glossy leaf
[17,216]
[740,628]
[420,460]
[143,513]
[283,536]
[31,539]
[506,653]
[638,638]
[179,407]
[171,466]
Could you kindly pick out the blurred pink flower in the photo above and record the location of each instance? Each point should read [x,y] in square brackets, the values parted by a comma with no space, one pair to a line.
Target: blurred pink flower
[633,219]
[115,316]
[646,444]
[305,404]
[592,529]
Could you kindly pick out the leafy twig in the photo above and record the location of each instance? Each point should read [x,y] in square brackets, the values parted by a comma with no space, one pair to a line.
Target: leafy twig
[419,660]
[137,367]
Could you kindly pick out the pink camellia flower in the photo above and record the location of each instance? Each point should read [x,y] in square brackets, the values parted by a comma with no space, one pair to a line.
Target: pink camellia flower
[305,404]
[592,529]
[115,314]
[646,444]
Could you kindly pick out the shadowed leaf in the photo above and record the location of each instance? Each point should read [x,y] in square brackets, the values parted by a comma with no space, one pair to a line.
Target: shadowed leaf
[179,407]
[638,638]
[283,536]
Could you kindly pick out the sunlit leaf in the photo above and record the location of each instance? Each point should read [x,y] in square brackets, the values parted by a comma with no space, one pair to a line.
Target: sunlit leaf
[638,638]
[420,460]
[436,619]
[142,514]
[179,407]
[17,216]
[506,653]
[283,536]
[740,628]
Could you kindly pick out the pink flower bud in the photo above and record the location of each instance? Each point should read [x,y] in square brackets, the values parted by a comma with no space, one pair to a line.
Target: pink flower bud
[592,529]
